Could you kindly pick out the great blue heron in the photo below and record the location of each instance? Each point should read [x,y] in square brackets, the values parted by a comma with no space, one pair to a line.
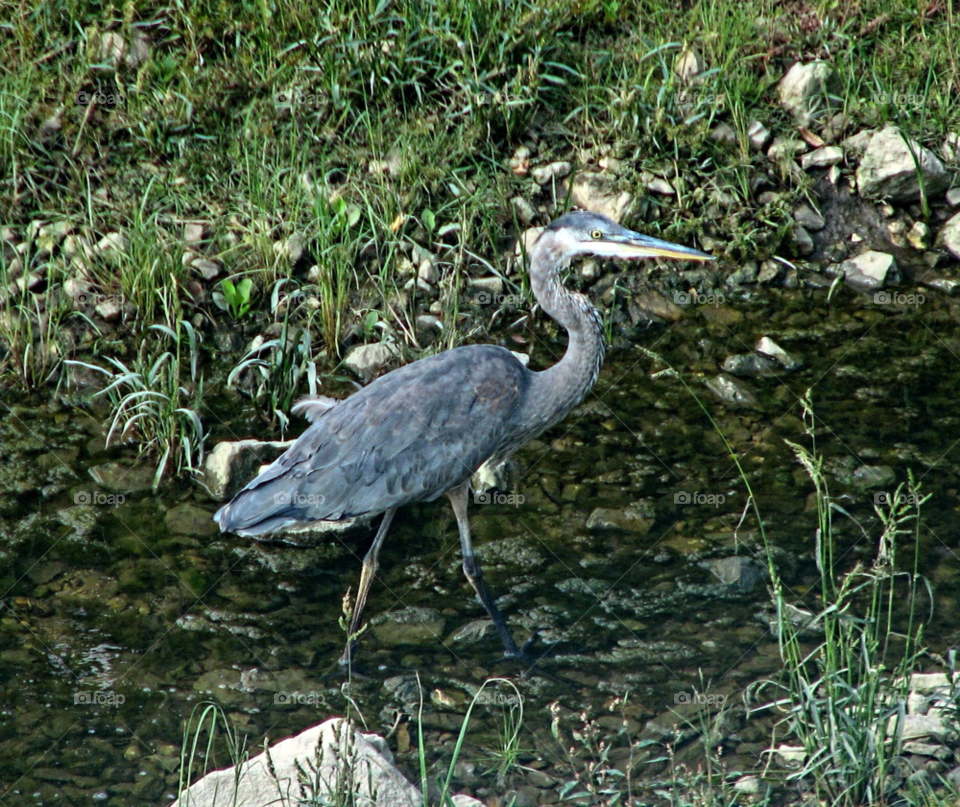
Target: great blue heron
[422,430]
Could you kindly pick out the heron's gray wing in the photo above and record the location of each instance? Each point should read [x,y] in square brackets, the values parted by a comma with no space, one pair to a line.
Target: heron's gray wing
[411,435]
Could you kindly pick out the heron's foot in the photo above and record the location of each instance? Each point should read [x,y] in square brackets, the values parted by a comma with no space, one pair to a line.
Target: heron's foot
[523,653]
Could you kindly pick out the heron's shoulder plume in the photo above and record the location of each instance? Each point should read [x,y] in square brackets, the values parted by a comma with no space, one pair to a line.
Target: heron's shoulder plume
[312,407]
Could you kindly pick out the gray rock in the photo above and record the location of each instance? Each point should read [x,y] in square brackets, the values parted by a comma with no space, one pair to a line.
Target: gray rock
[930,683]
[290,249]
[870,477]
[856,145]
[188,519]
[335,746]
[724,134]
[767,347]
[758,135]
[233,463]
[428,272]
[368,360]
[928,750]
[822,158]
[748,365]
[124,478]
[661,186]
[917,236]
[689,65]
[737,571]
[555,170]
[946,285]
[112,246]
[745,274]
[208,269]
[949,236]
[870,271]
[953,197]
[916,727]
[800,241]
[598,192]
[888,170]
[526,212]
[193,233]
[785,148]
[808,91]
[769,271]
[732,391]
[492,285]
[808,218]
[413,626]
[627,520]
[750,785]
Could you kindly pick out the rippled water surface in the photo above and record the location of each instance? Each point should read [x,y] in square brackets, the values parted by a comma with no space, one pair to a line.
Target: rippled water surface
[120,617]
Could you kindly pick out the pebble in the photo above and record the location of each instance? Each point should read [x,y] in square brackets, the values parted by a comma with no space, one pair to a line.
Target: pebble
[555,170]
[822,158]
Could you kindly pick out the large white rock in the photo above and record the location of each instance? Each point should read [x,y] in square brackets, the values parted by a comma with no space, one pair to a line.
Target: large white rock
[888,169]
[870,271]
[360,763]
[949,236]
[807,91]
[368,360]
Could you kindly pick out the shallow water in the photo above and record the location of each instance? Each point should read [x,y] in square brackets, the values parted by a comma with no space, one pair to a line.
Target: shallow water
[120,617]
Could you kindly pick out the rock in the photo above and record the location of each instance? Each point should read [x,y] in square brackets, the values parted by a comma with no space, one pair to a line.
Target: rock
[188,519]
[110,50]
[428,273]
[916,727]
[949,236]
[750,785]
[800,241]
[232,464]
[928,750]
[661,186]
[855,145]
[724,134]
[626,520]
[526,212]
[738,571]
[767,347]
[917,236]
[946,285]
[111,246]
[552,171]
[808,218]
[493,286]
[951,147]
[953,197]
[785,148]
[290,249]
[870,477]
[758,134]
[208,269]
[361,763]
[123,478]
[792,756]
[809,91]
[652,306]
[732,391]
[689,65]
[888,171]
[368,360]
[745,274]
[769,271]
[748,365]
[408,626]
[930,683]
[597,192]
[194,233]
[428,322]
[870,271]
[822,158]
[491,476]
[391,166]
[109,309]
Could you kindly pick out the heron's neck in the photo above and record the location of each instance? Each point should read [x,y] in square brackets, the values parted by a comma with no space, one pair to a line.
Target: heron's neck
[560,388]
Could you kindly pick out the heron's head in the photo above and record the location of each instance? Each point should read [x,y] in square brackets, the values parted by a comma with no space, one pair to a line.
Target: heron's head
[585,233]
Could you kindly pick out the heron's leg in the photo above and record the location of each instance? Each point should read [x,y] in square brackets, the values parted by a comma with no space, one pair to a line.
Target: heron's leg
[458,498]
[370,566]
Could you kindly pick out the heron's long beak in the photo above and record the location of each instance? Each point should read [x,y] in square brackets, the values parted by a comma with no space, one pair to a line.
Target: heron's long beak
[637,245]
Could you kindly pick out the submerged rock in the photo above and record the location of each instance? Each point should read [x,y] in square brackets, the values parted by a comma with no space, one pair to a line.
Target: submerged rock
[733,391]
[626,520]
[748,365]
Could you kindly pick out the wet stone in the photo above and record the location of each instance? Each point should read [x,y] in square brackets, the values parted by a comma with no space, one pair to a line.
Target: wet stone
[123,478]
[408,626]
[748,365]
[809,218]
[733,391]
[188,519]
[876,476]
[767,347]
[626,520]
[738,571]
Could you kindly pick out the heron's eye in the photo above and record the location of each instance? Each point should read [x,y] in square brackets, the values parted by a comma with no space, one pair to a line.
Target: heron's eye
[596,235]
